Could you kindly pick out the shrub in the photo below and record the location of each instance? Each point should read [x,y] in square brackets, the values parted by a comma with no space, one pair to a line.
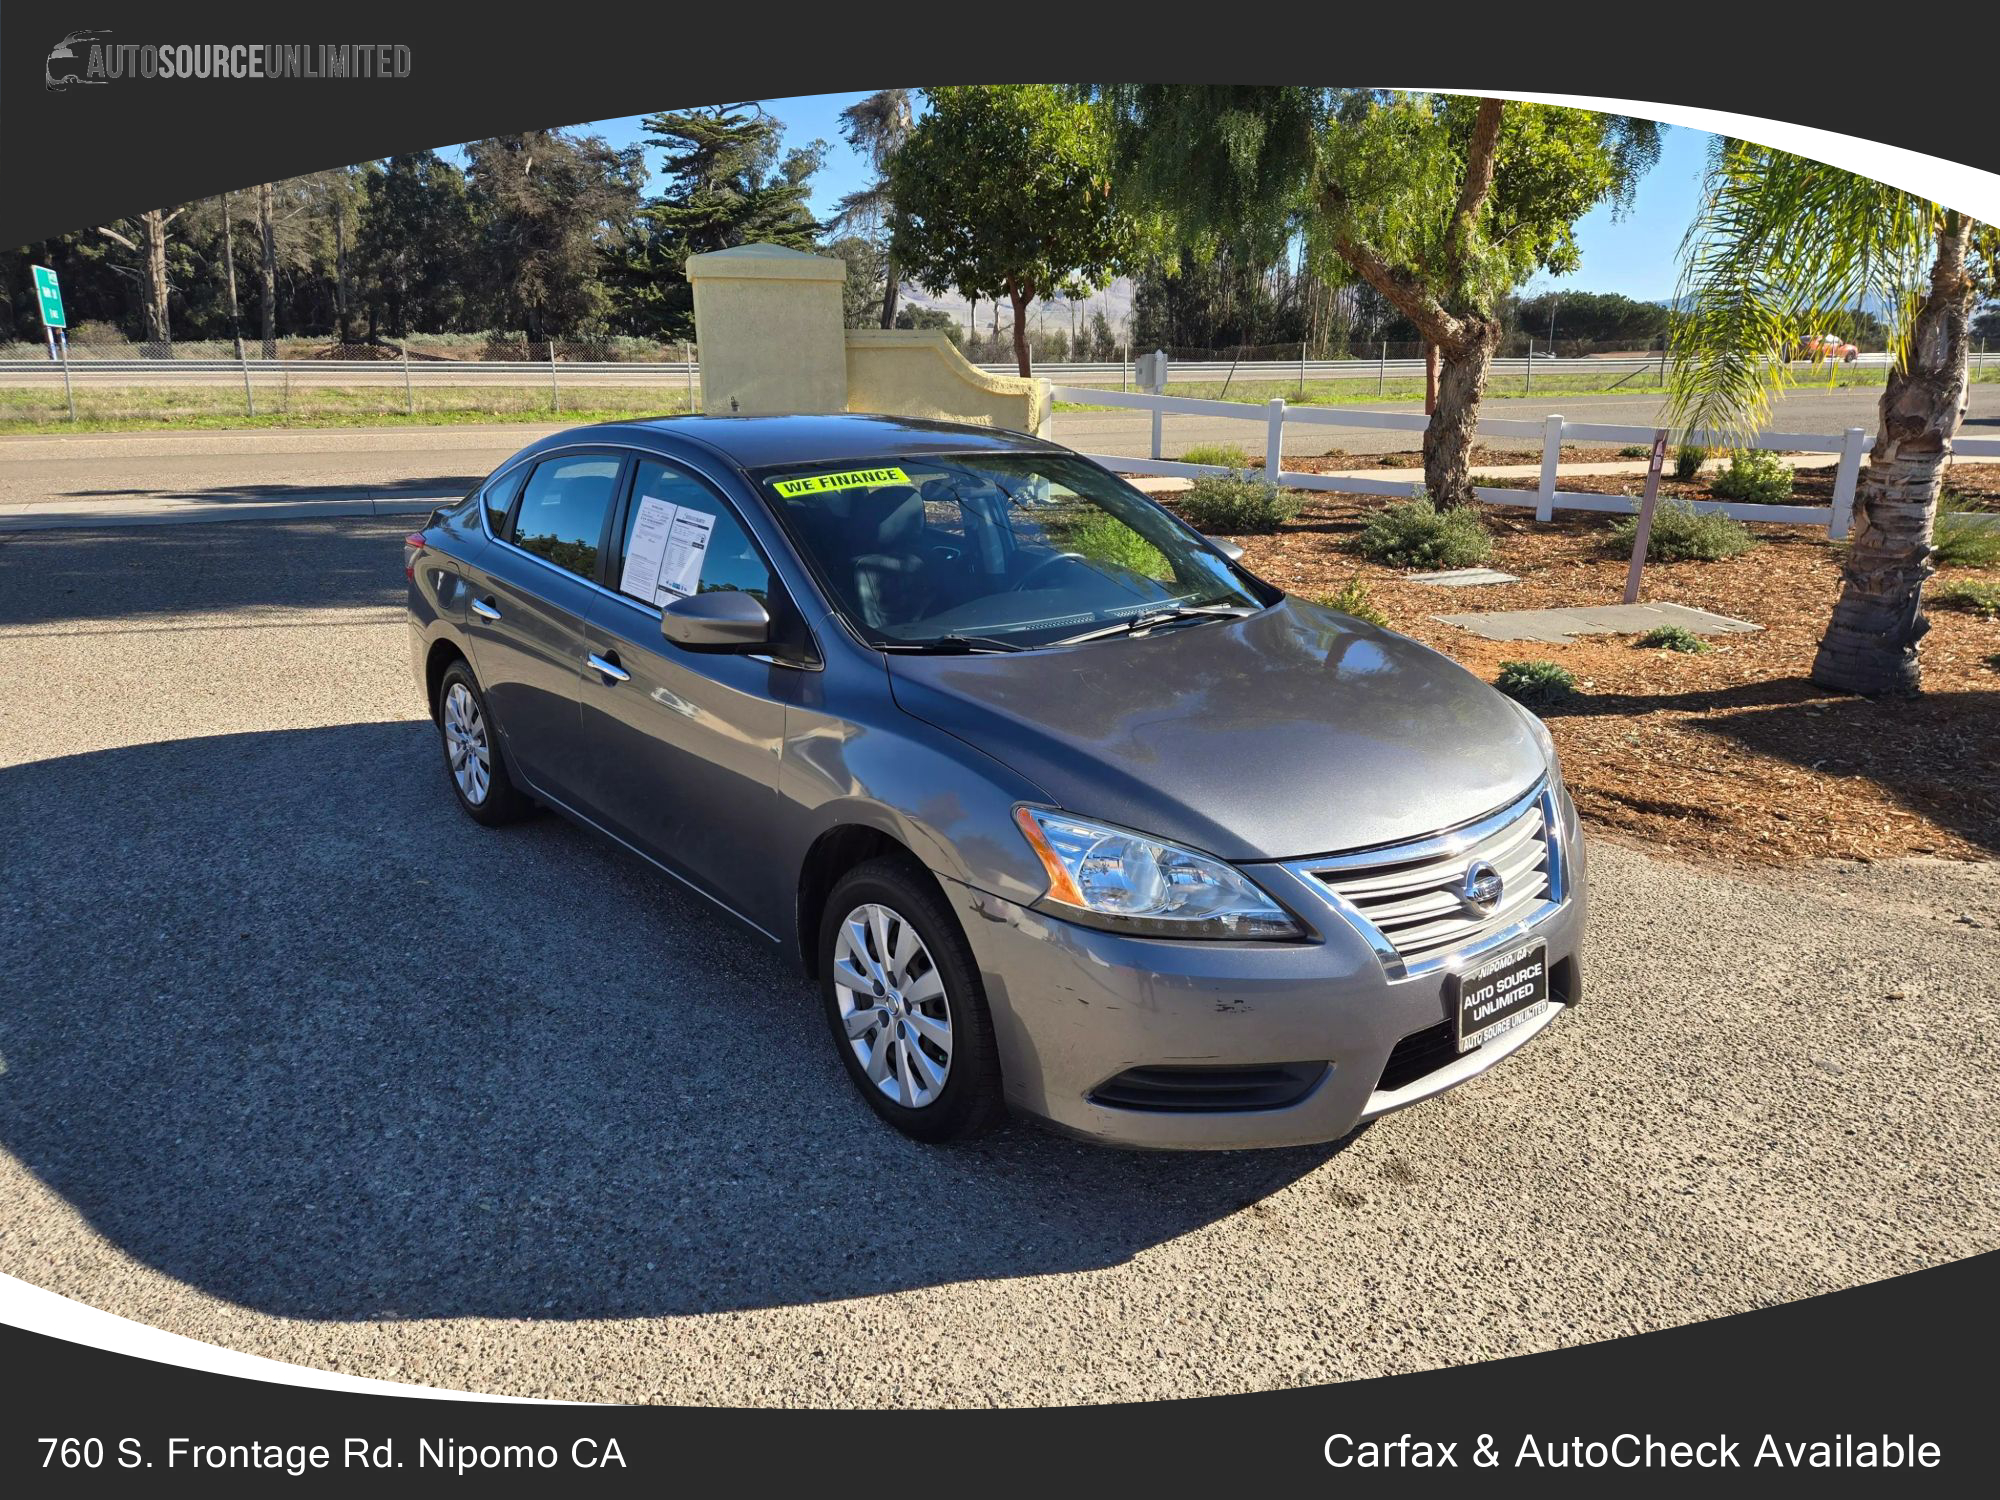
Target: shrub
[1228,455]
[1688,459]
[1683,534]
[1535,683]
[1353,600]
[1754,477]
[1416,534]
[1106,539]
[1965,536]
[1634,450]
[1673,638]
[1236,505]
[1981,599]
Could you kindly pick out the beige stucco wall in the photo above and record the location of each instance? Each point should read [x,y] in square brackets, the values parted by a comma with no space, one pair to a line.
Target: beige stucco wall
[768,321]
[917,373]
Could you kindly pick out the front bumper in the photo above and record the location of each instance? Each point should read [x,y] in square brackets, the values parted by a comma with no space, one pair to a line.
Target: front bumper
[1074,1007]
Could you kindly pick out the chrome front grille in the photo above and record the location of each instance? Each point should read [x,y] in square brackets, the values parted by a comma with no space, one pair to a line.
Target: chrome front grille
[1407,899]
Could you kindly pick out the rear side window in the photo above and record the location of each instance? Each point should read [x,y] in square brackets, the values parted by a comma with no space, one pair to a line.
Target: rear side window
[500,499]
[563,509]
[694,542]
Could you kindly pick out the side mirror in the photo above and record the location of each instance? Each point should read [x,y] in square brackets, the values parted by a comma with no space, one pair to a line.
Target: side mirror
[726,620]
[1226,547]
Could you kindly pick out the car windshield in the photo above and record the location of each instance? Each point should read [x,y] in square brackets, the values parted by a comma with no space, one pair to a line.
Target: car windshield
[997,551]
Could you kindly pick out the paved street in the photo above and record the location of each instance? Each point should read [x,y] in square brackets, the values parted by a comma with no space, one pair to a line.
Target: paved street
[74,480]
[296,1059]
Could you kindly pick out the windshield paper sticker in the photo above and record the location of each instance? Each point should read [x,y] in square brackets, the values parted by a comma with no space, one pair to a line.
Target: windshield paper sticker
[854,479]
[669,546]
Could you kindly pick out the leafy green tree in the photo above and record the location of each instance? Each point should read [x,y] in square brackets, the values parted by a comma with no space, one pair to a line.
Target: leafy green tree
[877,128]
[1005,191]
[551,205]
[933,319]
[1590,318]
[861,292]
[416,245]
[729,182]
[1779,244]
[1441,202]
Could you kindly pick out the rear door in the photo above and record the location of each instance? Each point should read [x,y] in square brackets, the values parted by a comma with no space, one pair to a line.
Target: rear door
[527,597]
[685,745]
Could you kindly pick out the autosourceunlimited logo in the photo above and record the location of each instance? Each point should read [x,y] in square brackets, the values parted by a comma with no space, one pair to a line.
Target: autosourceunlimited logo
[86,58]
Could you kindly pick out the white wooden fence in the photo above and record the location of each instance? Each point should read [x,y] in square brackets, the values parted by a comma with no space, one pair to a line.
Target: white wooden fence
[1554,431]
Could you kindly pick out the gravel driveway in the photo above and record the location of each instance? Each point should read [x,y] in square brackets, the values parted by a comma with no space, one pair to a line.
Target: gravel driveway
[299,1060]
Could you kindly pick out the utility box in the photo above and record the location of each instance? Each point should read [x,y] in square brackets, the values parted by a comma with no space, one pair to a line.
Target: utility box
[1151,372]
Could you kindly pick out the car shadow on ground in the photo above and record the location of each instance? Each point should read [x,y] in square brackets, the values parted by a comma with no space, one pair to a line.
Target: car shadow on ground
[1933,754]
[284,1024]
[47,577]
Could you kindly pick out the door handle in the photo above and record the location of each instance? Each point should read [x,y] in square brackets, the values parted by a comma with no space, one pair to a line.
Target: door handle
[485,609]
[608,665]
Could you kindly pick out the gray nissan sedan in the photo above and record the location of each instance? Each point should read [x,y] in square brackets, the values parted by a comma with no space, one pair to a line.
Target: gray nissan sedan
[1063,808]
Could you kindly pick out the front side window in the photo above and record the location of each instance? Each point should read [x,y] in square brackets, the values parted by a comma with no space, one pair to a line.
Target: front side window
[563,508]
[1020,549]
[688,542]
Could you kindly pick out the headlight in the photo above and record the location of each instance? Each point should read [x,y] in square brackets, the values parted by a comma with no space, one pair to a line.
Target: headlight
[1114,878]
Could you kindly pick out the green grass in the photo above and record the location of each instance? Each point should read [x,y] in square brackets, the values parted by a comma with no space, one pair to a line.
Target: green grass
[1225,455]
[1673,638]
[1965,536]
[1354,600]
[1981,599]
[1535,684]
[125,409]
[1416,534]
[1361,391]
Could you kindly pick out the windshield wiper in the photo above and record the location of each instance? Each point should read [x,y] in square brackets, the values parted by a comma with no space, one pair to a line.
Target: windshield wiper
[951,645]
[1154,618]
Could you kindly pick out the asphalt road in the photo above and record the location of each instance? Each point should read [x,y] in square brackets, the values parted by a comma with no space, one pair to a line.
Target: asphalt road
[296,1059]
[67,476]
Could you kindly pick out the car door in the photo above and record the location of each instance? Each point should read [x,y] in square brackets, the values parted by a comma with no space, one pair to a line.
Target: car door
[684,744]
[526,603]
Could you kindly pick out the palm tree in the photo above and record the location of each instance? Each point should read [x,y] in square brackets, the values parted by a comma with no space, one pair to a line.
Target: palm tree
[1779,245]
[877,128]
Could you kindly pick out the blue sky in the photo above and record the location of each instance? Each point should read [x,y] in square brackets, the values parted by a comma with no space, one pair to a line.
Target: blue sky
[1634,256]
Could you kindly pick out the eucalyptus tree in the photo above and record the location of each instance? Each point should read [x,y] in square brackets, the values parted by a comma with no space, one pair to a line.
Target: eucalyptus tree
[1779,246]
[877,126]
[1443,203]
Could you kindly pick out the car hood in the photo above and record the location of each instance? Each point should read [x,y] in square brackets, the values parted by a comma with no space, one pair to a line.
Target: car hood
[1294,731]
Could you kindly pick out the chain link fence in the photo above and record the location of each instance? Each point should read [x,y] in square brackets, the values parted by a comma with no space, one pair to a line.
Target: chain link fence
[214,382]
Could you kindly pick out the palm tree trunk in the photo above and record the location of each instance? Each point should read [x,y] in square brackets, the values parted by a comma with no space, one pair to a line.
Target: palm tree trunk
[1462,368]
[1870,645]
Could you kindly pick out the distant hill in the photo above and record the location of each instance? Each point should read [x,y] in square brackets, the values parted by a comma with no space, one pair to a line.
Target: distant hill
[1115,301]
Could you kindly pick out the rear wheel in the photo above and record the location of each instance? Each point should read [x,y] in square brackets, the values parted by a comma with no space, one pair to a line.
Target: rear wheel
[471,752]
[905,1004]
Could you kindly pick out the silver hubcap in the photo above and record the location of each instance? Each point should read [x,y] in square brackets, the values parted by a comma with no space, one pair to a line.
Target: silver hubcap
[893,1005]
[465,744]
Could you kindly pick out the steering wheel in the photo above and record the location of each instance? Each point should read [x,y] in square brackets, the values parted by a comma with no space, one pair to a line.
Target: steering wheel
[1045,564]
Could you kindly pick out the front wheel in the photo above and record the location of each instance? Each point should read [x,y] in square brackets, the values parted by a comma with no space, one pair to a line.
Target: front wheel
[905,1004]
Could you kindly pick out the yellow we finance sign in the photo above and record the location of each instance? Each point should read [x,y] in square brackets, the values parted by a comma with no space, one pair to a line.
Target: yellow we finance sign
[852,479]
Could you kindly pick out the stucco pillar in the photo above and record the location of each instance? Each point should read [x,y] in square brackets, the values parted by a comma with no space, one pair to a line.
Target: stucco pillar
[769,325]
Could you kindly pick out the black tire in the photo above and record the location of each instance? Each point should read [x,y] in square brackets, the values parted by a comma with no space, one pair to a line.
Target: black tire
[502,802]
[970,1100]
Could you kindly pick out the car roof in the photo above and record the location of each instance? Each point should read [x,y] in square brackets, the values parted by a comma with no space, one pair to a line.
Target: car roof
[761,442]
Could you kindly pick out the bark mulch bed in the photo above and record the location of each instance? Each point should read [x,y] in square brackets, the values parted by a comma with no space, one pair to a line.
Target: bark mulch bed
[1731,753]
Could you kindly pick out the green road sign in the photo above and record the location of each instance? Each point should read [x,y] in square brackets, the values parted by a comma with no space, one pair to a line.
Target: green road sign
[51,295]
